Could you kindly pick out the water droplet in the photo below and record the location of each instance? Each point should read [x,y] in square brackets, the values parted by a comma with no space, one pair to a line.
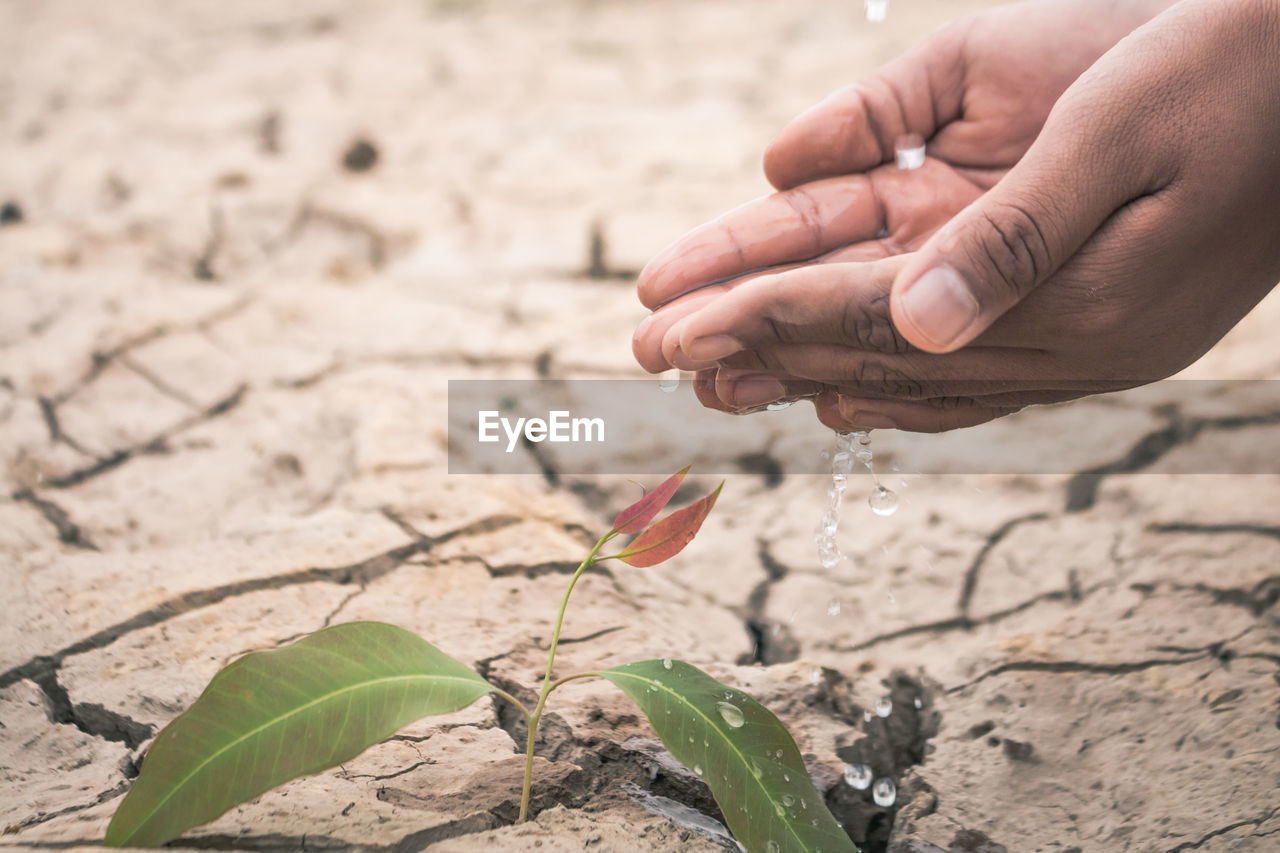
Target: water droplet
[706,743]
[777,807]
[786,777]
[669,381]
[918,702]
[830,522]
[780,405]
[772,847]
[666,663]
[778,755]
[788,800]
[883,501]
[833,607]
[731,714]
[861,436]
[697,768]
[728,694]
[815,676]
[690,738]
[830,561]
[857,776]
[884,793]
[909,151]
[866,716]
[884,706]
[803,804]
[864,455]
[892,600]
[755,770]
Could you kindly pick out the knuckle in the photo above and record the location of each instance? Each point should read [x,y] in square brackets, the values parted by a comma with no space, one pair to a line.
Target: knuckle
[1022,255]
[877,378]
[757,360]
[870,327]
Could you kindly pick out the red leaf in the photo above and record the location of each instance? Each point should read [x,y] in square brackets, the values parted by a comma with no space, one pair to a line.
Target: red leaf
[668,537]
[635,517]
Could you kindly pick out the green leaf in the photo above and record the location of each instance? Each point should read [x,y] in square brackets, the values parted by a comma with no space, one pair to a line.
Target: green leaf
[274,716]
[635,517]
[662,541]
[741,750]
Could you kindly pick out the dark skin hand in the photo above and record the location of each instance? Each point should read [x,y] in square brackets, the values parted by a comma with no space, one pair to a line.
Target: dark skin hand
[1100,204]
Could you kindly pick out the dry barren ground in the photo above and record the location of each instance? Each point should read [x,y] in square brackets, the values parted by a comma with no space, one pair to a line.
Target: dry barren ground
[226,328]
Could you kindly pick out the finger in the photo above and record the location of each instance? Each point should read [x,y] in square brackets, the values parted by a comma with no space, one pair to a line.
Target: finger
[842,303]
[1081,169]
[647,342]
[704,388]
[972,372]
[845,414]
[854,128]
[739,389]
[799,224]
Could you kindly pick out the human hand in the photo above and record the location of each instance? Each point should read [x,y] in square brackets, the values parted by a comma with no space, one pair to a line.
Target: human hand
[1114,184]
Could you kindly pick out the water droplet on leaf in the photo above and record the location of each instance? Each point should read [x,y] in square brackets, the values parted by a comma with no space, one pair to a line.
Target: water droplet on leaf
[731,714]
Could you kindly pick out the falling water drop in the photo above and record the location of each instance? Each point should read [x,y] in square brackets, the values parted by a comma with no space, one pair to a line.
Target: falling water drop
[731,714]
[857,776]
[669,381]
[884,793]
[884,706]
[909,151]
[883,501]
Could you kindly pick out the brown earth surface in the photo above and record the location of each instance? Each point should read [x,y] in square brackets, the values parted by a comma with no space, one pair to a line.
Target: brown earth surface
[226,330]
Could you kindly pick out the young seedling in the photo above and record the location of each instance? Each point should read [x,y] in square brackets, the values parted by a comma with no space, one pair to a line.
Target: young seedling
[270,717]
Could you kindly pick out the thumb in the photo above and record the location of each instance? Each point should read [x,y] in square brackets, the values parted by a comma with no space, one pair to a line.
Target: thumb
[1010,240]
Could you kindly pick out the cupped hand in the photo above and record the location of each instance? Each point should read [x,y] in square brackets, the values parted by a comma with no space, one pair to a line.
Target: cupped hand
[1085,210]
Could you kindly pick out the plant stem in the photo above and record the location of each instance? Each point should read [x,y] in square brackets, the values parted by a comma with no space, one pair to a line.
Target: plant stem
[536,716]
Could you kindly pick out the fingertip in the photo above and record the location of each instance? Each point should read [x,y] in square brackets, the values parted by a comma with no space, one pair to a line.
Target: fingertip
[935,310]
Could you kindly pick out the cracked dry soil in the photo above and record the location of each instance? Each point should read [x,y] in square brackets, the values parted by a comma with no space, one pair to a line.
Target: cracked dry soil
[244,248]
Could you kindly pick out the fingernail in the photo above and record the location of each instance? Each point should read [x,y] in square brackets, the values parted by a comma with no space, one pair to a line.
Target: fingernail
[643,326]
[863,418]
[756,390]
[712,348]
[940,305]
[872,420]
